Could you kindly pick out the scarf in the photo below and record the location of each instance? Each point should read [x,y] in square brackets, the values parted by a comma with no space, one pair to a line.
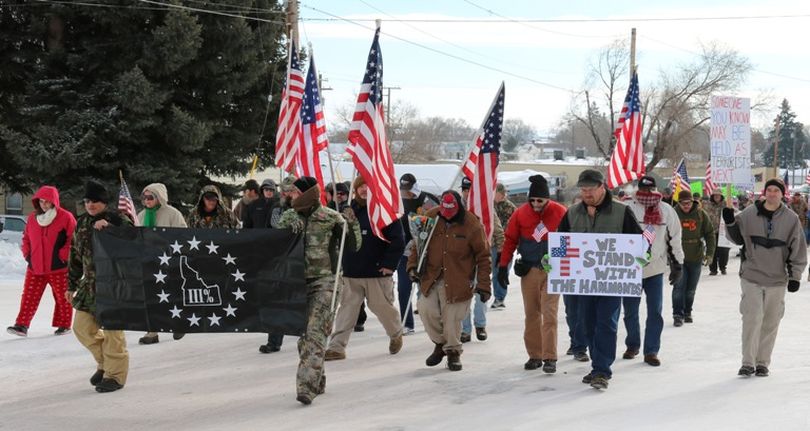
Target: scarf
[150,216]
[650,201]
[47,217]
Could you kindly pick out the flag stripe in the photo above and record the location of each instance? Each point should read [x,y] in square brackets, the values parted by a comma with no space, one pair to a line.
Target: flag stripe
[627,160]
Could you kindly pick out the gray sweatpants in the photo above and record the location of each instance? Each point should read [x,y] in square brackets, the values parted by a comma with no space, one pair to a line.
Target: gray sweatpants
[762,308]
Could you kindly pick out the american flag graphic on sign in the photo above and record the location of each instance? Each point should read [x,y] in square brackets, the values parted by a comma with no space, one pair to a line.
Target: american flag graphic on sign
[649,234]
[565,252]
[539,232]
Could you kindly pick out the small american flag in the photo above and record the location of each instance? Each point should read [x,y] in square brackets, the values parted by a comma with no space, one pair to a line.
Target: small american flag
[649,233]
[314,128]
[290,133]
[565,252]
[368,146]
[539,232]
[483,160]
[627,160]
[125,204]
[680,178]
[710,186]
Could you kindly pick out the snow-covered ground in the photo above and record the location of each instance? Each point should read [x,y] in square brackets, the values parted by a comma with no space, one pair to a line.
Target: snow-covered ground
[222,382]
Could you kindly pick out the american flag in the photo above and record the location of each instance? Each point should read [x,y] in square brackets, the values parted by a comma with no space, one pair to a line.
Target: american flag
[314,128]
[627,160]
[289,133]
[539,232]
[484,158]
[710,186]
[649,234]
[125,204]
[807,179]
[369,148]
[565,252]
[680,179]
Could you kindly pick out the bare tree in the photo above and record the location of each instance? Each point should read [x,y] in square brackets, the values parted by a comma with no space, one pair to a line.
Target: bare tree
[516,131]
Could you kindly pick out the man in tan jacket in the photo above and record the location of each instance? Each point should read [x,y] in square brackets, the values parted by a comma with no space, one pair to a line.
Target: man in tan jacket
[457,252]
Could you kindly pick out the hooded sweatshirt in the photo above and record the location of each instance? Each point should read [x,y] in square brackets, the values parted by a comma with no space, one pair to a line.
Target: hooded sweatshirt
[166,215]
[221,217]
[46,244]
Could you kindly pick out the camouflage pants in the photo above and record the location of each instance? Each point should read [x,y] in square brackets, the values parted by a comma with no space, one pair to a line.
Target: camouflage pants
[311,378]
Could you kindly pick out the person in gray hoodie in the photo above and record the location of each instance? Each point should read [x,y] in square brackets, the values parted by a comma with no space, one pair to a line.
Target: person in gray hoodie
[774,255]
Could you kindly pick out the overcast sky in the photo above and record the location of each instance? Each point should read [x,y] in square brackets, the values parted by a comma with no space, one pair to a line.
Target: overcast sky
[546,61]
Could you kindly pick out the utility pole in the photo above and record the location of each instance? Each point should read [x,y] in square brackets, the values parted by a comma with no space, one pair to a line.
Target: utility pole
[388,102]
[632,52]
[292,20]
[776,151]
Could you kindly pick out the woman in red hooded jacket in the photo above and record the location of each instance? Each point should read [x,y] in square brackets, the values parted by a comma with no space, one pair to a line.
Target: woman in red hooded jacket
[45,246]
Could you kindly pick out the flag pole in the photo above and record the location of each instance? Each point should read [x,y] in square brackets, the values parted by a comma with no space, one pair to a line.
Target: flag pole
[339,269]
[480,129]
[328,150]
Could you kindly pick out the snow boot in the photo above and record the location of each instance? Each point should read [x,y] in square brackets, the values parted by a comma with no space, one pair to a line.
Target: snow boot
[435,358]
[97,377]
[481,334]
[334,355]
[108,385]
[454,360]
[550,366]
[630,353]
[395,345]
[762,371]
[746,371]
[581,357]
[599,381]
[652,359]
[146,339]
[533,364]
[465,338]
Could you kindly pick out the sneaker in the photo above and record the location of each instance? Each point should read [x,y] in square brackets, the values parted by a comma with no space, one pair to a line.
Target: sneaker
[677,321]
[497,304]
[61,331]
[359,328]
[481,334]
[652,359]
[746,371]
[97,377]
[533,364]
[581,357]
[630,353]
[334,355]
[269,348]
[688,319]
[146,339]
[407,331]
[20,330]
[108,385]
[599,381]
[550,366]
[762,371]
[178,335]
[395,345]
[465,338]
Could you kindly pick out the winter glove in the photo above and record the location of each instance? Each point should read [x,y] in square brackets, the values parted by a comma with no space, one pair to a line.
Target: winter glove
[728,215]
[545,262]
[484,295]
[503,276]
[644,261]
[297,226]
[675,273]
[707,260]
[348,214]
[793,286]
[414,276]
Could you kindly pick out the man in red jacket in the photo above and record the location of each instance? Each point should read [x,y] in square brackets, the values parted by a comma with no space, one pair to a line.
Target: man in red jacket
[528,232]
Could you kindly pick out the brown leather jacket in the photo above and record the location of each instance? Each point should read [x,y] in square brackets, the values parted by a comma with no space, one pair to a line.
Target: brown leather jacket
[454,253]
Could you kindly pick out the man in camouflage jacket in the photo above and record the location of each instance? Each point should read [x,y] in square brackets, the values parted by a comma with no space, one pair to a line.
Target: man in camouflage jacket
[109,348]
[210,211]
[504,208]
[322,228]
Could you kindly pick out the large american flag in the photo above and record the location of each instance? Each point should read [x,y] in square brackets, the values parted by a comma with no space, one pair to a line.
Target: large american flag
[483,160]
[680,179]
[314,130]
[565,252]
[627,160]
[125,204]
[289,133]
[710,186]
[369,148]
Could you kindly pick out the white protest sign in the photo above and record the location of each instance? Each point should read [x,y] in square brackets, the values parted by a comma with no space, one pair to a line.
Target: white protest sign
[595,264]
[730,141]
[722,239]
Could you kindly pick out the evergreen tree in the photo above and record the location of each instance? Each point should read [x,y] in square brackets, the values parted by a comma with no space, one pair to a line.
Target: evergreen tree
[791,138]
[163,94]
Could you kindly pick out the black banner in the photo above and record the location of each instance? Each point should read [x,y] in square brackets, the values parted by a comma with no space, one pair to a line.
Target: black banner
[200,280]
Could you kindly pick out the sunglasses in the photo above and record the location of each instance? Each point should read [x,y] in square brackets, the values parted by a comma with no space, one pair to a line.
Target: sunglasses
[685,203]
[538,200]
[210,197]
[342,194]
[147,198]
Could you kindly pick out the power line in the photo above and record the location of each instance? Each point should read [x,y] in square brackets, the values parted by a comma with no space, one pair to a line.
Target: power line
[576,20]
[213,12]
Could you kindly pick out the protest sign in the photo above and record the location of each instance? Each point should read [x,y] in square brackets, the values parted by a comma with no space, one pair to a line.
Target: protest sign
[595,264]
[730,141]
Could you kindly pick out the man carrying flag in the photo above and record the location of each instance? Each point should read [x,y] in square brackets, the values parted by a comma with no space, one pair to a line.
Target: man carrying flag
[314,131]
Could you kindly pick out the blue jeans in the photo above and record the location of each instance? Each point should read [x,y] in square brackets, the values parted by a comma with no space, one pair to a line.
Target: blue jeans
[404,289]
[576,331]
[683,293]
[480,320]
[599,316]
[498,291]
[653,288]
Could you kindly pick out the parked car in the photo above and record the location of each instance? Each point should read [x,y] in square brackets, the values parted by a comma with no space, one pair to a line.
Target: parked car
[11,228]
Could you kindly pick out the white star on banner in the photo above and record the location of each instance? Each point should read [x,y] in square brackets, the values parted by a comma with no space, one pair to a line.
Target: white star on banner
[238,275]
[230,311]
[176,247]
[164,260]
[214,319]
[229,259]
[175,312]
[194,244]
[164,297]
[160,277]
[239,294]
[212,249]
[194,320]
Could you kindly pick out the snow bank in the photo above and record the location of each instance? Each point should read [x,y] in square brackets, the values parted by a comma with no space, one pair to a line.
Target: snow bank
[12,265]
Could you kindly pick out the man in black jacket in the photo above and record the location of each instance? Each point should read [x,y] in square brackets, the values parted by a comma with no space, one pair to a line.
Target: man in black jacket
[367,274]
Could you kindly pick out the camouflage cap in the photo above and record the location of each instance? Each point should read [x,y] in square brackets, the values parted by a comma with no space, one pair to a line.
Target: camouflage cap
[287,183]
[500,188]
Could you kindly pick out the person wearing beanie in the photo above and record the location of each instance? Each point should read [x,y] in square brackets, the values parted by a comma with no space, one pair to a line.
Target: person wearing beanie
[527,232]
[250,192]
[696,229]
[666,252]
[46,244]
[598,212]
[368,275]
[504,208]
[715,208]
[457,252]
[323,228]
[157,212]
[210,211]
[340,200]
[108,347]
[774,256]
